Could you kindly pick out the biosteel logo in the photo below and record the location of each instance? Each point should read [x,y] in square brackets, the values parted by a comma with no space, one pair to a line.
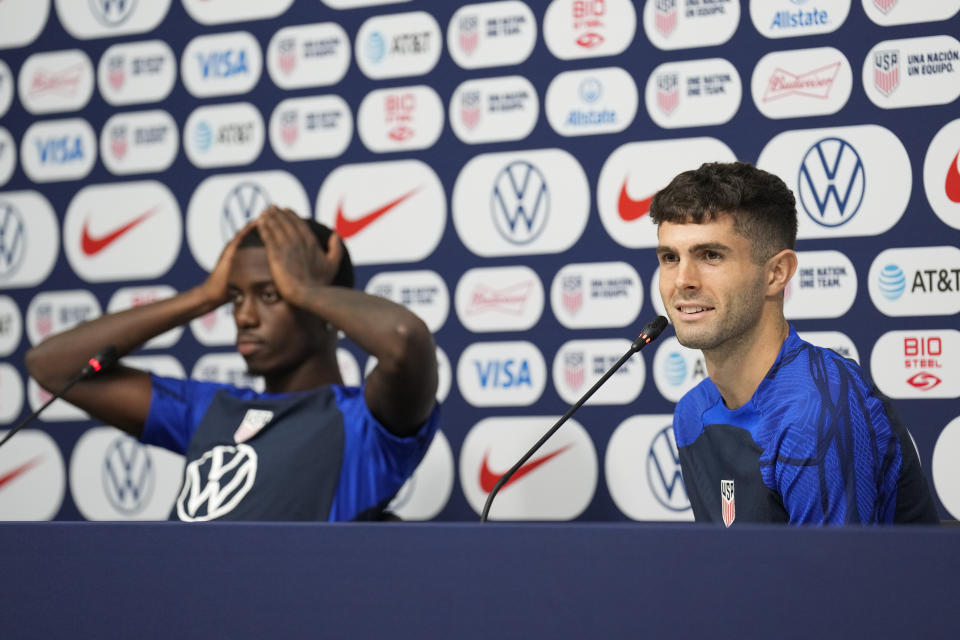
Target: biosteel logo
[805,82]
[589,28]
[400,119]
[917,364]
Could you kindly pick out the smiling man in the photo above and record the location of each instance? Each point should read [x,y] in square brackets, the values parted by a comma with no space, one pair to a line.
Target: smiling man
[781,431]
[309,448]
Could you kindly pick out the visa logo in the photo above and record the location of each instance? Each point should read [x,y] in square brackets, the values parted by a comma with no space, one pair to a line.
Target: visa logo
[223,64]
[60,150]
[503,374]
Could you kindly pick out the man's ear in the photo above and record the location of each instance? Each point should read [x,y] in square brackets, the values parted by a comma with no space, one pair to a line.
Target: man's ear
[780,268]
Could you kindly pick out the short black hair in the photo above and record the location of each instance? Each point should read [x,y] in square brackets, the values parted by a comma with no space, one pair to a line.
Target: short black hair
[764,209]
[322,233]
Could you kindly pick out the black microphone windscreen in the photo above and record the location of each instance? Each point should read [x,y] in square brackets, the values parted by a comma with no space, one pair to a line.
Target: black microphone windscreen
[655,327]
[107,357]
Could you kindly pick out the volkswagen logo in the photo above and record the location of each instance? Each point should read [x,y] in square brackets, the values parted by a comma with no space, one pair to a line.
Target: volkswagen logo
[112,12]
[520,202]
[128,475]
[832,182]
[663,472]
[13,240]
[244,203]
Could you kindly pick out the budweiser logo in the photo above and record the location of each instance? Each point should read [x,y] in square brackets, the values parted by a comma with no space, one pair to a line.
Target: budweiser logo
[506,300]
[63,82]
[815,84]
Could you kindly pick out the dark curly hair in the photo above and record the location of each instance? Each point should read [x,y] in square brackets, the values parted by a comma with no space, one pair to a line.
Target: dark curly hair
[764,209]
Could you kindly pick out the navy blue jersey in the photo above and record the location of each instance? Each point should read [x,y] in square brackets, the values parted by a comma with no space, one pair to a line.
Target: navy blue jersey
[816,443]
[312,455]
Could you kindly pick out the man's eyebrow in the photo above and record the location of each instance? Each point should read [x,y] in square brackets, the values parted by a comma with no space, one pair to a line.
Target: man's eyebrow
[709,246]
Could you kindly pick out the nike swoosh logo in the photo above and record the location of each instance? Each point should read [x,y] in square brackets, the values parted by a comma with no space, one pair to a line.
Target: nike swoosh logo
[13,474]
[488,478]
[92,246]
[953,181]
[631,209]
[346,228]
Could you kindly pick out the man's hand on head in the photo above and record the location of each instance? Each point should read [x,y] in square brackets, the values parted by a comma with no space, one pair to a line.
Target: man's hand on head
[215,286]
[297,262]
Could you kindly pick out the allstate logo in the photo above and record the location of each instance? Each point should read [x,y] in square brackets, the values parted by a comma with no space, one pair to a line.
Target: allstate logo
[202,136]
[590,90]
[376,47]
[13,241]
[112,12]
[892,282]
[128,475]
[832,182]
[675,369]
[520,203]
[242,204]
[663,472]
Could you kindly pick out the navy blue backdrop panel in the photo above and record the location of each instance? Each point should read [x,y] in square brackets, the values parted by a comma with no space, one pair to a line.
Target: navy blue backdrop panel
[411,580]
[489,166]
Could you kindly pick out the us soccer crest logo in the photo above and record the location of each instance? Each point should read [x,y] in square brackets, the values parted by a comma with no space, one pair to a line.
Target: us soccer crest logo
[886,70]
[728,506]
[667,92]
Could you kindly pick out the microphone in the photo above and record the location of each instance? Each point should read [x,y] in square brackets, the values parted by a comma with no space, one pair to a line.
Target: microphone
[105,358]
[649,333]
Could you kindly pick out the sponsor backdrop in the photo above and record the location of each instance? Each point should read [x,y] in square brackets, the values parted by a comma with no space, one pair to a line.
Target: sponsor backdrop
[490,166]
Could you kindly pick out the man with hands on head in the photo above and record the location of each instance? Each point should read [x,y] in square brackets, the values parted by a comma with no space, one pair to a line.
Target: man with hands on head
[308,448]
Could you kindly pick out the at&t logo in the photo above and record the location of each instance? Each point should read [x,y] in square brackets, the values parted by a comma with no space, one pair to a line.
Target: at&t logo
[520,202]
[832,182]
[892,282]
[128,475]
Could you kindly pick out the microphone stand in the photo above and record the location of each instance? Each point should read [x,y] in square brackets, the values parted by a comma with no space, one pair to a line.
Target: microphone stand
[100,362]
[653,329]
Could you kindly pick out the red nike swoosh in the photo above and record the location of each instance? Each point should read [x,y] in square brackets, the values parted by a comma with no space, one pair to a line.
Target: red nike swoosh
[11,475]
[92,246]
[953,181]
[488,478]
[346,228]
[631,209]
